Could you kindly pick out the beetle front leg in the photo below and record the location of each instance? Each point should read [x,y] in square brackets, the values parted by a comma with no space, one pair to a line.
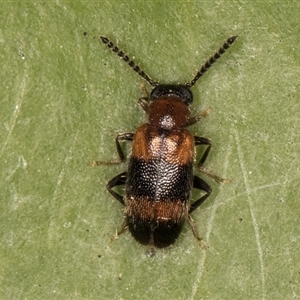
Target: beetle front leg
[128,137]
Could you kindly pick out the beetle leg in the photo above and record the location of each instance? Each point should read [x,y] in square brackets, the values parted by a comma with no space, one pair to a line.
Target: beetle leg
[200,184]
[205,141]
[144,103]
[123,228]
[120,179]
[195,119]
[195,233]
[128,136]
[121,137]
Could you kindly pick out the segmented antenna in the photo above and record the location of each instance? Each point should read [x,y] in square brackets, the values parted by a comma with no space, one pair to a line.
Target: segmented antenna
[211,61]
[129,61]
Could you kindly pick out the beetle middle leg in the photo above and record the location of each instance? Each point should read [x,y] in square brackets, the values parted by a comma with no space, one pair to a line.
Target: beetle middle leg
[121,137]
[205,141]
[118,180]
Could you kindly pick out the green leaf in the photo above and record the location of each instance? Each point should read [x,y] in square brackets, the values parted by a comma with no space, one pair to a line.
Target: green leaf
[64,98]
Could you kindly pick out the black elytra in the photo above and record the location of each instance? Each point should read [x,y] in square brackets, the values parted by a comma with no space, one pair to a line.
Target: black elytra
[160,174]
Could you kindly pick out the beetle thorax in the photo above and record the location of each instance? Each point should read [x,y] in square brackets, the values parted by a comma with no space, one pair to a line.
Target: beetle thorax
[168,113]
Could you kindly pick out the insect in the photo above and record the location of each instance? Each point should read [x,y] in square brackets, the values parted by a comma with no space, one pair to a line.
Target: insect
[160,175]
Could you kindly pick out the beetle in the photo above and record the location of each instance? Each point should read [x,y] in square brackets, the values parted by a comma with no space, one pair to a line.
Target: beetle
[160,175]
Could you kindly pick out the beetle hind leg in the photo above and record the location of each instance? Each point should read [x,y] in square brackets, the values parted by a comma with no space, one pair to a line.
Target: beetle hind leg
[120,179]
[199,184]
